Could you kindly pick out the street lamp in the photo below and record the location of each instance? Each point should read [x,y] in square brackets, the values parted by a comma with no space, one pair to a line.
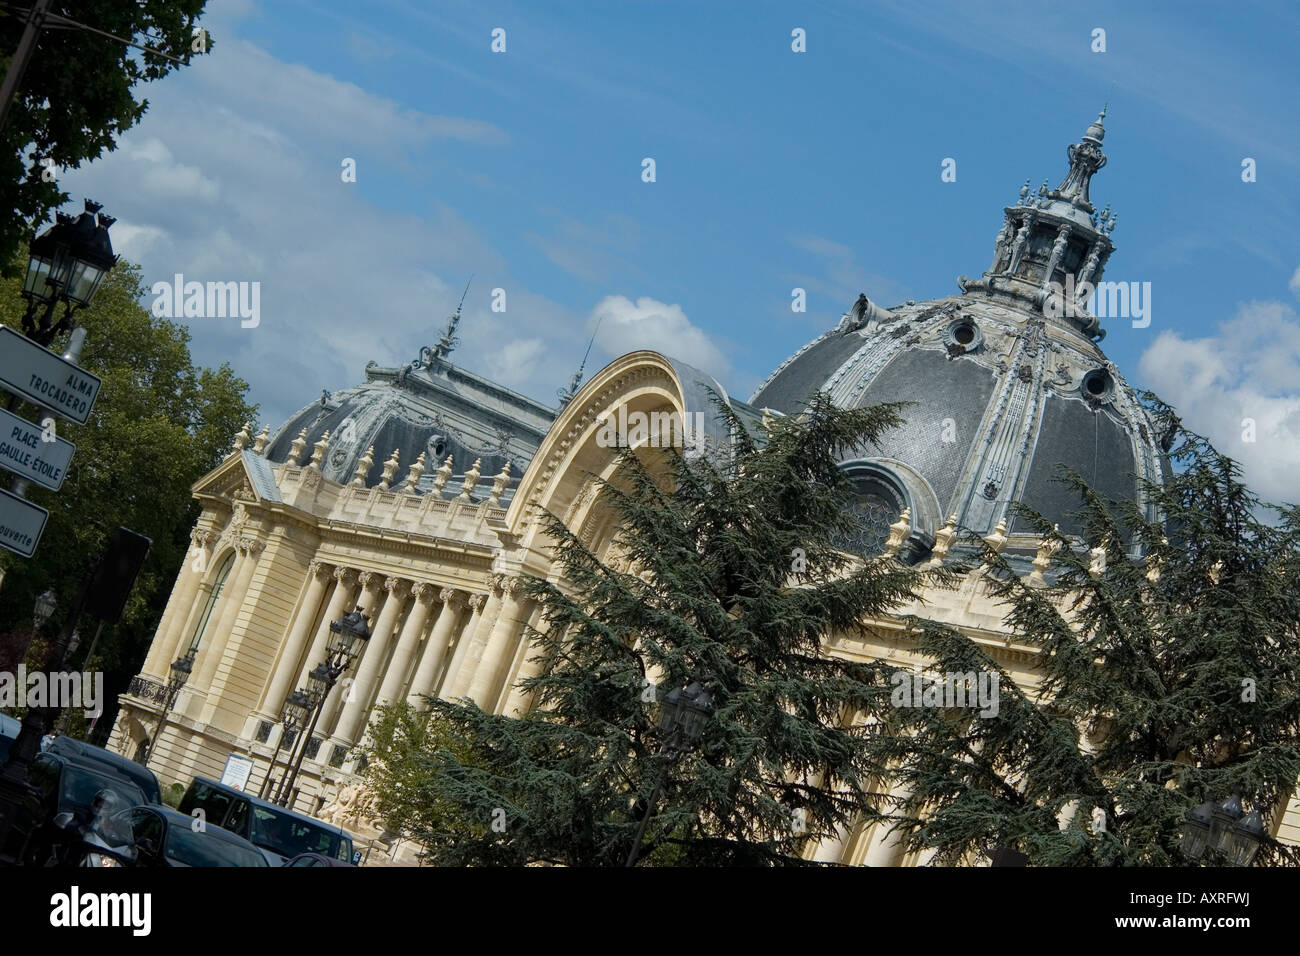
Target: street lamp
[1223,831]
[347,641]
[682,718]
[293,715]
[66,264]
[45,605]
[180,674]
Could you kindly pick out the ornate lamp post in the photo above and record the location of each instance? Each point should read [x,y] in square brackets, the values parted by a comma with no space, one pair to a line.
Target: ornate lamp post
[45,605]
[1224,832]
[682,718]
[293,715]
[180,674]
[67,263]
[348,636]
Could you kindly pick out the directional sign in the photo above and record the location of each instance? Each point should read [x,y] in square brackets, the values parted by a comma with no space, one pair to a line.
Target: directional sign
[24,451]
[21,524]
[46,379]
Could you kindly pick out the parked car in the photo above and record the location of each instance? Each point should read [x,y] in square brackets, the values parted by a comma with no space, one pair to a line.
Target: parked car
[316,859]
[79,750]
[9,728]
[150,836]
[280,833]
[70,798]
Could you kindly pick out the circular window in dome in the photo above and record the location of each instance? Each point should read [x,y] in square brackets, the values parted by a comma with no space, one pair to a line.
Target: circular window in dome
[874,506]
[962,335]
[1097,385]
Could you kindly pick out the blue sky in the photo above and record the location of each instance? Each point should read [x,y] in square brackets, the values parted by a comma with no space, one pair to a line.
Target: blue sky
[774,169]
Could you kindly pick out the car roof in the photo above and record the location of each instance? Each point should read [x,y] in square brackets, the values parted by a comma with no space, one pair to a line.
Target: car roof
[90,768]
[139,774]
[185,820]
[275,807]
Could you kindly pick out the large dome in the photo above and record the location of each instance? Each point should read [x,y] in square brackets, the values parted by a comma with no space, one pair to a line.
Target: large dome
[1003,386]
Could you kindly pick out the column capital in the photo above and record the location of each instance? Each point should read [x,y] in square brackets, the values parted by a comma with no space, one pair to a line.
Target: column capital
[397,587]
[424,592]
[321,571]
[511,585]
[345,576]
[370,580]
[202,537]
[453,596]
[497,580]
[476,601]
[249,545]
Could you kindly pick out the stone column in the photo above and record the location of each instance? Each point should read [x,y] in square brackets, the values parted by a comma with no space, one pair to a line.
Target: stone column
[435,649]
[518,700]
[471,658]
[171,629]
[353,718]
[345,580]
[232,599]
[887,846]
[485,687]
[394,677]
[369,602]
[281,683]
[477,602]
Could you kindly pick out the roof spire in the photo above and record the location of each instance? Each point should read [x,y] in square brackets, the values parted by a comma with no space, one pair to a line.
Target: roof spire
[1086,158]
[566,394]
[449,340]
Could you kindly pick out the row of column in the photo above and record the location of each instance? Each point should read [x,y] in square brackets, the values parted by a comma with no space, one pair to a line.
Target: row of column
[483,629]
[190,596]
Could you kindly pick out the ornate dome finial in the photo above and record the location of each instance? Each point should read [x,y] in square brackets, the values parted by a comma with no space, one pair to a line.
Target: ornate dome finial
[439,352]
[1086,159]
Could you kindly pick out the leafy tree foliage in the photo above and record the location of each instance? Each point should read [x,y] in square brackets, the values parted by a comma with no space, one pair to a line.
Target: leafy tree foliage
[159,424]
[78,96]
[728,575]
[1167,680]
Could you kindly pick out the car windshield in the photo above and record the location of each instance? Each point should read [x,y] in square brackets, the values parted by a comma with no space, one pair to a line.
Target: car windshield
[80,786]
[205,849]
[289,836]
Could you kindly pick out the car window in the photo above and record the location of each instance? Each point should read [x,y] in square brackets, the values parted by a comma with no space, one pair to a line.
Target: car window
[189,848]
[237,822]
[44,776]
[210,800]
[79,787]
[145,826]
[289,836]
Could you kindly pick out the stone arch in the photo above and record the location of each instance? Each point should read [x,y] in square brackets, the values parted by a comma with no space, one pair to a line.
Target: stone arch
[561,477]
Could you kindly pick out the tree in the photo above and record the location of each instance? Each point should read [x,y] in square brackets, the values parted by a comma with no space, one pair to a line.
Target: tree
[158,425]
[1167,680]
[78,96]
[728,575]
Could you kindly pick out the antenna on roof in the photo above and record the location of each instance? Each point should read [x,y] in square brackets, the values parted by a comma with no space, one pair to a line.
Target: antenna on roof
[566,394]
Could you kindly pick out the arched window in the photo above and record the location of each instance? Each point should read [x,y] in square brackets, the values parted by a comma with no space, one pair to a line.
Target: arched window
[218,585]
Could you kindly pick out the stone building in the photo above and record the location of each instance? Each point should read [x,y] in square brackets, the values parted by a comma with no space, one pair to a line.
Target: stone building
[413,496]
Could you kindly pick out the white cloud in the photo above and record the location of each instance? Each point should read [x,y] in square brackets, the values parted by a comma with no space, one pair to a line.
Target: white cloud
[1250,369]
[626,326]
[233,175]
[1294,284]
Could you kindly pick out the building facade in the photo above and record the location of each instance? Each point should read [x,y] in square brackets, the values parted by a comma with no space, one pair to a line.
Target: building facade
[414,497]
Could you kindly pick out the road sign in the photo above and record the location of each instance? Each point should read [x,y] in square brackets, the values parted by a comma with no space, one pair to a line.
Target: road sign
[46,379]
[21,524]
[24,451]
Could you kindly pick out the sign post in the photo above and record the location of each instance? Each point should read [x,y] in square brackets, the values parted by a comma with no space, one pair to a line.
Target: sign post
[29,453]
[21,524]
[46,379]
